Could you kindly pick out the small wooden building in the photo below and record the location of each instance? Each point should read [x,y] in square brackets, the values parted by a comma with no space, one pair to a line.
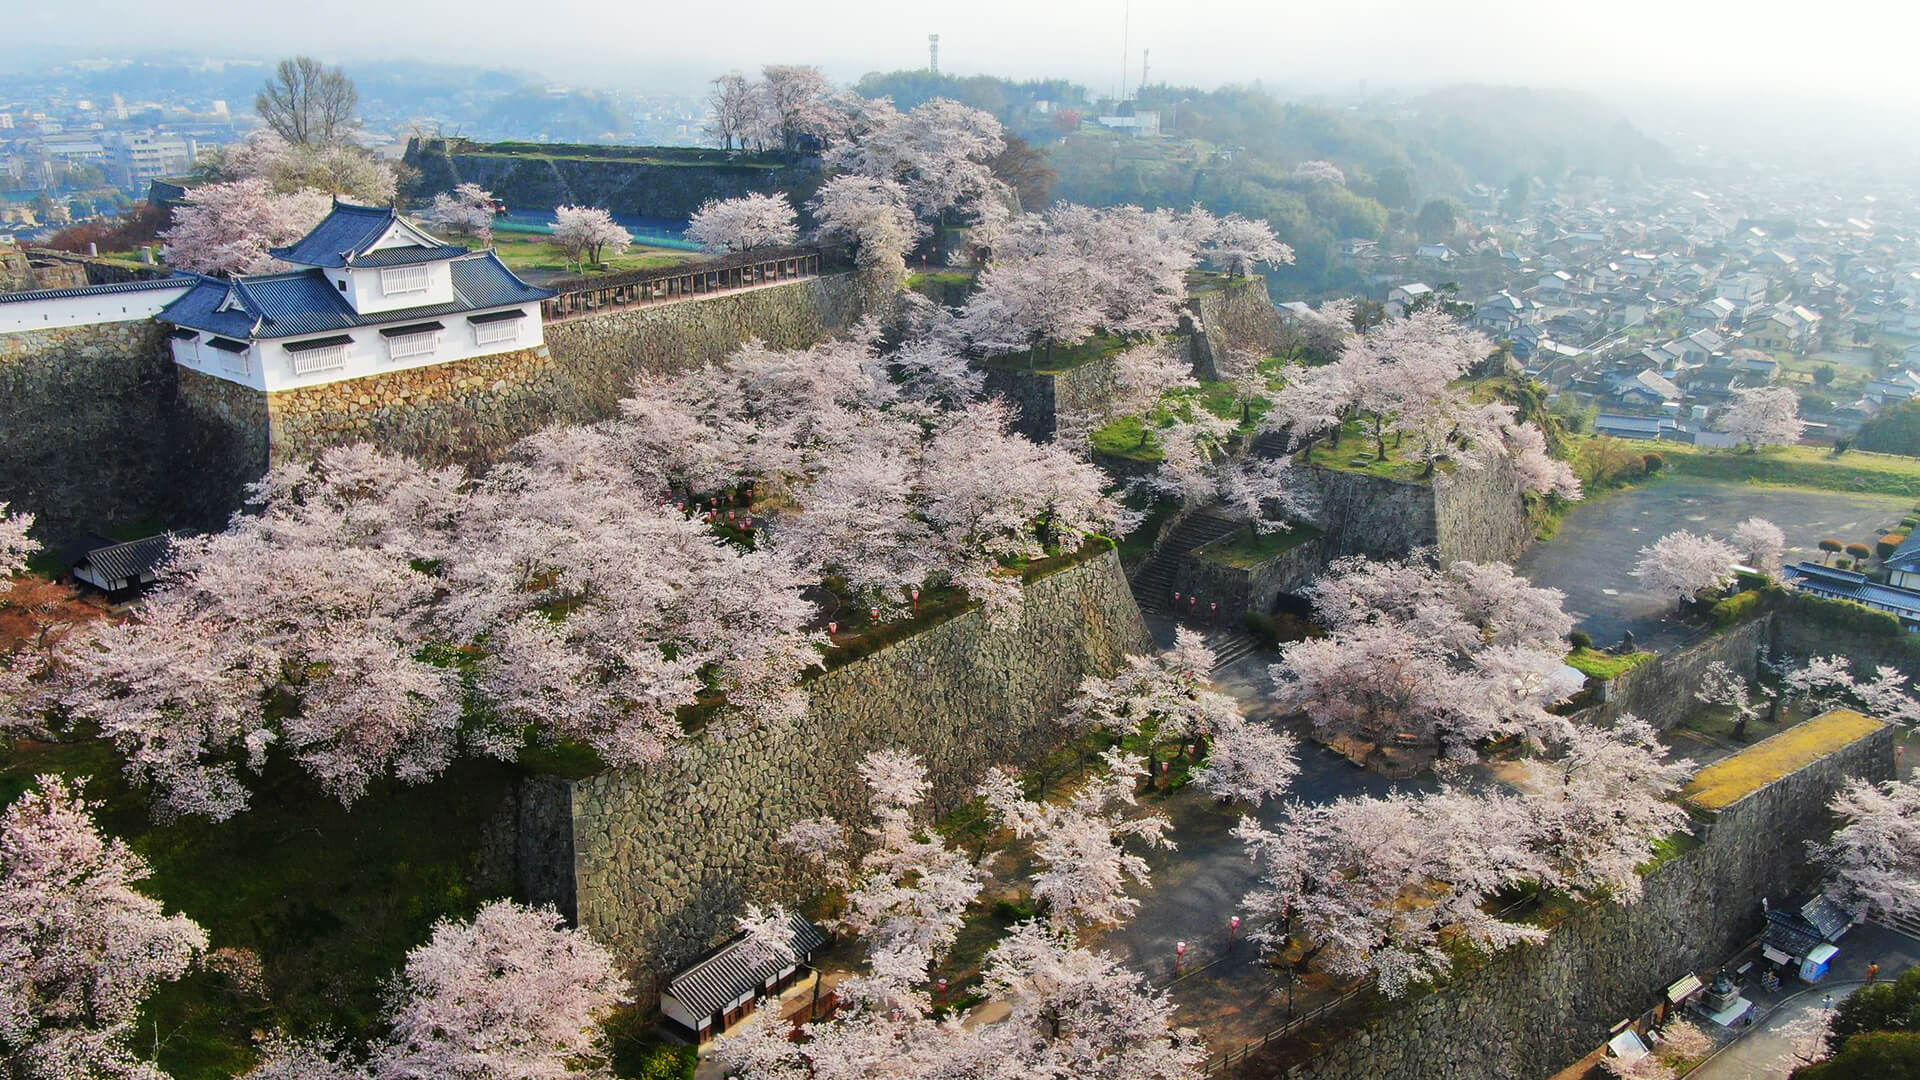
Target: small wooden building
[122,569]
[722,987]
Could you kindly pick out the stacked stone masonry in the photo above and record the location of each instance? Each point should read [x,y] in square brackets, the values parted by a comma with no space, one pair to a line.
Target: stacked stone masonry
[664,857]
[1532,1010]
[1475,514]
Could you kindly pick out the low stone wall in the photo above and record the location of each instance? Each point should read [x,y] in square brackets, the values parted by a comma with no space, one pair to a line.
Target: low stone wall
[663,857]
[1480,514]
[1801,637]
[1372,516]
[1041,398]
[1532,1010]
[1236,315]
[1661,691]
[84,425]
[1238,589]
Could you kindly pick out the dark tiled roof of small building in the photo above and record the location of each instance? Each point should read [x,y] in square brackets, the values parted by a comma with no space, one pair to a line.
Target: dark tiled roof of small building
[1907,555]
[1790,934]
[1846,585]
[300,302]
[407,256]
[347,229]
[128,561]
[143,285]
[726,974]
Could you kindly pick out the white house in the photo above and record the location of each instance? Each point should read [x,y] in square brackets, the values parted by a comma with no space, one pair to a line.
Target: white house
[374,294]
[126,301]
[1401,297]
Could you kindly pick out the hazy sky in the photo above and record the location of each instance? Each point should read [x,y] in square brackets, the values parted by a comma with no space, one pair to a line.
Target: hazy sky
[1776,48]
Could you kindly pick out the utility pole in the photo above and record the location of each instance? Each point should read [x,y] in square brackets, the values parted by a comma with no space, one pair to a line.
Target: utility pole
[1126,25]
[933,53]
[1144,69]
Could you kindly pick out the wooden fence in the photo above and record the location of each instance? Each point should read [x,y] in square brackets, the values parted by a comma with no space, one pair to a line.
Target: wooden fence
[683,283]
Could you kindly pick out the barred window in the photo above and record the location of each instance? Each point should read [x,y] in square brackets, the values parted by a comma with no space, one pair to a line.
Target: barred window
[404,346]
[404,279]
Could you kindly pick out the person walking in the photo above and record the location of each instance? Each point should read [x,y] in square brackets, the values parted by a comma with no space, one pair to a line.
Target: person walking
[1873,973]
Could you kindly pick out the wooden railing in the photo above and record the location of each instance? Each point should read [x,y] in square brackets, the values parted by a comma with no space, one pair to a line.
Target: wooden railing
[682,283]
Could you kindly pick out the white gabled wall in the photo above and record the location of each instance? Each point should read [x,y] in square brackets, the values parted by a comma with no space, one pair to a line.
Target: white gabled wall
[88,309]
[271,366]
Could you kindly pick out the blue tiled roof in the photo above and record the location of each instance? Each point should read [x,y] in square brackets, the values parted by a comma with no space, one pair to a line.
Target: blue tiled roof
[406,256]
[145,285]
[1907,555]
[300,302]
[347,229]
[1847,585]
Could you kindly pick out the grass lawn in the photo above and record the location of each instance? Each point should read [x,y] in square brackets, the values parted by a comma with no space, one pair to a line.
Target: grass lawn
[536,255]
[1251,548]
[1355,454]
[1060,358]
[1800,466]
[330,898]
[1596,664]
[1731,779]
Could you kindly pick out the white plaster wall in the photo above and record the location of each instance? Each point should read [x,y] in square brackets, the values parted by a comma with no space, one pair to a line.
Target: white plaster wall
[271,365]
[102,307]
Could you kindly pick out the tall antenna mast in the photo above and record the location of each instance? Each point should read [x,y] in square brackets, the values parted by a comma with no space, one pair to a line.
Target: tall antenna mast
[1126,24]
[1144,53]
[933,53]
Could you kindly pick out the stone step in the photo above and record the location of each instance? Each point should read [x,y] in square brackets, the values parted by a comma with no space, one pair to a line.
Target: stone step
[1905,924]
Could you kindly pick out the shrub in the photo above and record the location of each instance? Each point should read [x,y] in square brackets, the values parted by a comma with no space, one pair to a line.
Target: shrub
[1264,628]
[1884,546]
[1831,546]
[1859,551]
[1652,463]
[1580,639]
[1843,563]
[1910,522]
[1736,607]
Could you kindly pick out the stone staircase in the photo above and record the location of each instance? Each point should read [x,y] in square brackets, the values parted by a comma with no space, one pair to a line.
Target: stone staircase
[1153,583]
[1905,924]
[1271,444]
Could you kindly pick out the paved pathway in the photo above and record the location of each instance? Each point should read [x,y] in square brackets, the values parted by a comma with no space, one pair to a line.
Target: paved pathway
[1592,557]
[1792,1023]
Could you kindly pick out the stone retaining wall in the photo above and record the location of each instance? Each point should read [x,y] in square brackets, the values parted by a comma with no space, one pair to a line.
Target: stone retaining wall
[1661,691]
[1238,589]
[663,857]
[1473,514]
[84,425]
[1532,1010]
[1040,398]
[1236,315]
[1480,514]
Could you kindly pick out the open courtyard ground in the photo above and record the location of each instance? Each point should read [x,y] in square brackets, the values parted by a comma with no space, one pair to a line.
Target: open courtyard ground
[1592,558]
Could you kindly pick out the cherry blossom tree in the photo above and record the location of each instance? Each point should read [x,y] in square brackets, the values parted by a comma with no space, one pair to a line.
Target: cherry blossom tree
[1248,760]
[80,946]
[511,995]
[733,110]
[300,626]
[1539,472]
[939,153]
[1600,806]
[283,1057]
[467,209]
[1451,657]
[1164,695]
[1023,304]
[1762,543]
[1084,867]
[333,168]
[873,214]
[1829,682]
[1238,245]
[228,228]
[906,896]
[1319,172]
[744,224]
[1720,685]
[1875,856]
[1763,416]
[1375,886]
[586,233]
[1681,565]
[929,371]
[793,102]
[1322,333]
[15,545]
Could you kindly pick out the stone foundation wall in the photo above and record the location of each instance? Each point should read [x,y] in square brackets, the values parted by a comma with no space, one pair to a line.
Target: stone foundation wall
[1532,1010]
[1372,515]
[664,857]
[1237,315]
[1661,692]
[1239,590]
[1041,398]
[84,425]
[1480,514]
